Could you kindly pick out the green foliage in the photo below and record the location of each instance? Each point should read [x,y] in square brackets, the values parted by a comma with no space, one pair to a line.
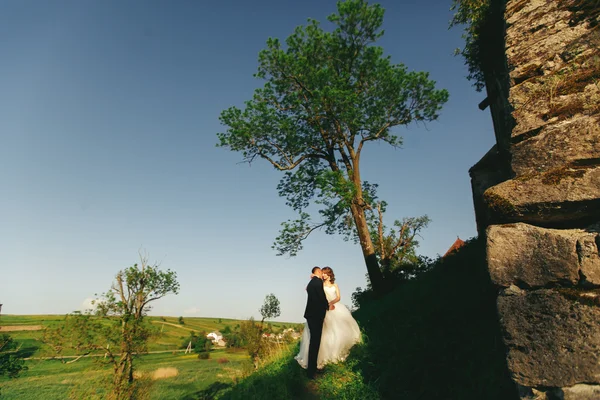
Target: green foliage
[204,355]
[270,309]
[181,321]
[472,14]
[396,247]
[251,334]
[440,328]
[199,343]
[11,363]
[326,96]
[234,340]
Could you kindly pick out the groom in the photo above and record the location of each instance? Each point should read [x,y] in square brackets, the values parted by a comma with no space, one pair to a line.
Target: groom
[316,307]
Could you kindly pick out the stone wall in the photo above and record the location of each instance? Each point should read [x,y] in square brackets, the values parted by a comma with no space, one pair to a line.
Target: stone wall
[537,193]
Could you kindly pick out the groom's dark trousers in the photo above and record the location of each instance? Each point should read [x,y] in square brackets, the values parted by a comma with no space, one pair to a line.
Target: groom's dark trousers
[316,307]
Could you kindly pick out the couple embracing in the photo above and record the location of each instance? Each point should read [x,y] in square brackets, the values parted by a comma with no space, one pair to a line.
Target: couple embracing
[330,329]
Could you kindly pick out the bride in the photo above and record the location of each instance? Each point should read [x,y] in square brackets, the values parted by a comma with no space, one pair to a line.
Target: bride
[340,330]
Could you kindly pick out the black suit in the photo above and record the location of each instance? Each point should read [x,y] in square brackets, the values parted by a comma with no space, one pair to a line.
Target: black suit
[316,307]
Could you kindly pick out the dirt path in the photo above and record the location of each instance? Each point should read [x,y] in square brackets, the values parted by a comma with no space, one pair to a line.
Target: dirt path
[175,325]
[310,392]
[16,328]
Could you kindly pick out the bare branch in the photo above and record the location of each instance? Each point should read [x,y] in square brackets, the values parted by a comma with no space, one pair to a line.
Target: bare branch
[402,242]
[78,358]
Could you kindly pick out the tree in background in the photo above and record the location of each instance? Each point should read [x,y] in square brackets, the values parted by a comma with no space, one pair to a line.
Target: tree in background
[252,333]
[181,321]
[11,364]
[326,96]
[396,247]
[117,326]
[270,308]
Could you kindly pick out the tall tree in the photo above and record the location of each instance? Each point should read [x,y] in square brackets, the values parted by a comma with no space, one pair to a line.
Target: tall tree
[328,94]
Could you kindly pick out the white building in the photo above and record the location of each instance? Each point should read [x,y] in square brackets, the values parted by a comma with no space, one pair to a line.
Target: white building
[215,336]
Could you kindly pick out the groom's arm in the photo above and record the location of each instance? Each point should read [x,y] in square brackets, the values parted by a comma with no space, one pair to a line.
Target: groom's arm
[322,297]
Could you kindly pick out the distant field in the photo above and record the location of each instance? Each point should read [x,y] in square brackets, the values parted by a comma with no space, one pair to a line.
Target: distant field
[172,335]
[51,379]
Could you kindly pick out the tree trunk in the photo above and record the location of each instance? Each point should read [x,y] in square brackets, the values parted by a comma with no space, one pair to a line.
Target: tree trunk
[386,267]
[368,250]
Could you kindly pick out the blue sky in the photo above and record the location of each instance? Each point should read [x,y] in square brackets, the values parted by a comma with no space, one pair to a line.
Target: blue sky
[108,120]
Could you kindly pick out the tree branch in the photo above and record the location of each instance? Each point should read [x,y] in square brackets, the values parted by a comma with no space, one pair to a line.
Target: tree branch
[380,232]
[401,242]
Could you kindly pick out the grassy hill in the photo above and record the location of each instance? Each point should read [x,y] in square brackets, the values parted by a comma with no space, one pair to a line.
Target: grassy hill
[436,337]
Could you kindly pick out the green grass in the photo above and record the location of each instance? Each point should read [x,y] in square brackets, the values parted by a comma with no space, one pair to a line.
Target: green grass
[50,379]
[280,379]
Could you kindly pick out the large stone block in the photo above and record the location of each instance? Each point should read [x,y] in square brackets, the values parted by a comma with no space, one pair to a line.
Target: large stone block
[553,340]
[589,258]
[562,197]
[577,392]
[557,145]
[529,256]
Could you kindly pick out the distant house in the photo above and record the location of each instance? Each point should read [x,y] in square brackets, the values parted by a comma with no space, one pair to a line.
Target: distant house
[215,336]
[292,332]
[286,332]
[458,243]
[220,343]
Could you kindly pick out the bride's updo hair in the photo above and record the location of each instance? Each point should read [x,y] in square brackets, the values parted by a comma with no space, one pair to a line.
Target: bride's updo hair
[329,273]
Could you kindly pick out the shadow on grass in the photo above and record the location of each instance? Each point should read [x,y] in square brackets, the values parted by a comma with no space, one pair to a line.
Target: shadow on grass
[210,392]
[281,379]
[27,350]
[437,337]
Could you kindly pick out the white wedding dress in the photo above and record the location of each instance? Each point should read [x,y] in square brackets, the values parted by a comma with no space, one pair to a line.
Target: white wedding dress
[340,333]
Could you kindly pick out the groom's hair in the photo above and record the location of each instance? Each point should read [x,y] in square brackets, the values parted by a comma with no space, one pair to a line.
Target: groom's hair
[314,269]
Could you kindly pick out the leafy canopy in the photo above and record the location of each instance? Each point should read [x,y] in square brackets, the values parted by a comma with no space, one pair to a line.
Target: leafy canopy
[270,308]
[472,14]
[326,95]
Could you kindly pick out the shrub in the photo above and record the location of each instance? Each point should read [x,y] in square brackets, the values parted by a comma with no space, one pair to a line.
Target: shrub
[204,355]
[223,360]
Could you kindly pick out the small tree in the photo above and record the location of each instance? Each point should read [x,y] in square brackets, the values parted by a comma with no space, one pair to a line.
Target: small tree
[270,309]
[181,321]
[118,327]
[251,334]
[11,364]
[396,246]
